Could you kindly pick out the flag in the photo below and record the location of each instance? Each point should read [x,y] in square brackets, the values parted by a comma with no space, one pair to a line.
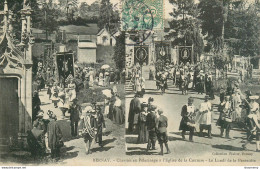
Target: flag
[65,65]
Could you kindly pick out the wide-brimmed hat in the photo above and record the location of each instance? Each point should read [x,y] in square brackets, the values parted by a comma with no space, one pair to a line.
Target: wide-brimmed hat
[227,96]
[144,104]
[88,109]
[253,97]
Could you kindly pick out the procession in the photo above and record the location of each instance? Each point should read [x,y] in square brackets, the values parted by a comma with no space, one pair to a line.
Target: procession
[181,101]
[131,82]
[229,109]
[66,95]
[86,120]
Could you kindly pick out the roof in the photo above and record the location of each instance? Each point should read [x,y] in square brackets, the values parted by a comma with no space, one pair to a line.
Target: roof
[87,45]
[102,31]
[89,29]
[35,30]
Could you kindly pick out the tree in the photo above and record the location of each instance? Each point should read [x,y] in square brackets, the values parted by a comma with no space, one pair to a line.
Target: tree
[108,18]
[213,14]
[119,54]
[46,18]
[186,26]
[242,28]
[15,6]
[83,9]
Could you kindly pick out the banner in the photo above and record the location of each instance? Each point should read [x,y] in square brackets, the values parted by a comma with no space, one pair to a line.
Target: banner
[163,51]
[185,54]
[141,54]
[65,65]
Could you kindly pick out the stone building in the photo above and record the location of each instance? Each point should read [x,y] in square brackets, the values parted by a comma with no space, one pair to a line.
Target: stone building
[87,52]
[15,80]
[104,38]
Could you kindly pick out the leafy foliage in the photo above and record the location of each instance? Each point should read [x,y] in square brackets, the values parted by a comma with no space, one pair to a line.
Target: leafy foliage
[119,55]
[186,26]
[212,15]
[108,17]
[242,28]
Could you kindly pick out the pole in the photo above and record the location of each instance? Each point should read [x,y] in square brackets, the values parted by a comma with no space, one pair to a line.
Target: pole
[46,30]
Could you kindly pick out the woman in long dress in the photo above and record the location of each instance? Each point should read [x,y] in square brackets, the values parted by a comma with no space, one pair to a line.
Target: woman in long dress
[72,88]
[107,79]
[118,112]
[91,78]
[55,91]
[142,128]
[101,79]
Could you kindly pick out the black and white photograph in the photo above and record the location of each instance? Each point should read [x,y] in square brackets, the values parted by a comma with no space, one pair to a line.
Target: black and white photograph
[192,87]
[129,83]
[61,82]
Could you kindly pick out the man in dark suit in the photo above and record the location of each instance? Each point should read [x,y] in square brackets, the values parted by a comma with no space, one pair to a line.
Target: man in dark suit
[161,128]
[151,127]
[135,108]
[100,125]
[75,111]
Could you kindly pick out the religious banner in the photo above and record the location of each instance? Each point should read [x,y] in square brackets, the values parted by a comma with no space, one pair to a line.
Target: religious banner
[141,54]
[185,54]
[65,65]
[163,51]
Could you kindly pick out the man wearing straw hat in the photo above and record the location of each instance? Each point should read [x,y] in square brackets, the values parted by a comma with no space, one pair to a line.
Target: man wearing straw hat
[253,127]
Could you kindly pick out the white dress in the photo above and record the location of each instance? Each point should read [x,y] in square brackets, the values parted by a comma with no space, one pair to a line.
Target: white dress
[205,118]
[72,88]
[101,79]
[255,108]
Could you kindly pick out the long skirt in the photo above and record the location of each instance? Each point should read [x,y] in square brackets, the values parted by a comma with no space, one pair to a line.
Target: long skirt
[142,133]
[118,115]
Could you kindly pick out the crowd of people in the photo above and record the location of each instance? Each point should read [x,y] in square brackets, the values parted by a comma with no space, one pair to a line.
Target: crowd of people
[148,121]
[87,122]
[237,109]
[103,77]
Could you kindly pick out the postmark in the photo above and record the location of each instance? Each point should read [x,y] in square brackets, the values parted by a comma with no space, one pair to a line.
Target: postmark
[140,18]
[142,15]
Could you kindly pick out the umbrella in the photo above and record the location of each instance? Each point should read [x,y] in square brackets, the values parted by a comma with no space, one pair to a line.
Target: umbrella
[105,67]
[107,93]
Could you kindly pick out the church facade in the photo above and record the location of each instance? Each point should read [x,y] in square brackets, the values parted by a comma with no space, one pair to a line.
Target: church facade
[15,80]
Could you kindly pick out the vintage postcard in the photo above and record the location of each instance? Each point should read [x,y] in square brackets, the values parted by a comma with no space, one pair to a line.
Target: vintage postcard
[129,83]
